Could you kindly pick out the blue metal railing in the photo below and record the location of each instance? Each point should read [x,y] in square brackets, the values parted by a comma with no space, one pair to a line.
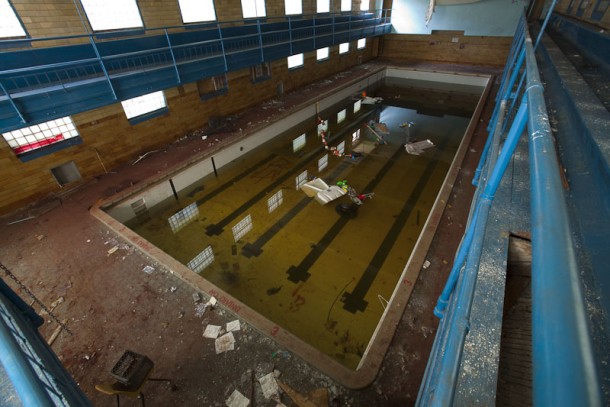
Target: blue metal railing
[564,369]
[190,52]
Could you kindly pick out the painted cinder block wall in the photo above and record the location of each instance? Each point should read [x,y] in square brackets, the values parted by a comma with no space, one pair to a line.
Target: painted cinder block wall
[107,129]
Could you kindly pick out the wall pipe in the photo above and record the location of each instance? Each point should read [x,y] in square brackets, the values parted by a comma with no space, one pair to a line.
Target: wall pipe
[563,362]
[28,386]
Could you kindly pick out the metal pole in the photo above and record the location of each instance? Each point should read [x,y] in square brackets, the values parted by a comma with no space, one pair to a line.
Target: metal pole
[12,102]
[99,58]
[173,57]
[222,46]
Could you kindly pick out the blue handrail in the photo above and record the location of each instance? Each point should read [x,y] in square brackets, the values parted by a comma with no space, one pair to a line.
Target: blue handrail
[564,368]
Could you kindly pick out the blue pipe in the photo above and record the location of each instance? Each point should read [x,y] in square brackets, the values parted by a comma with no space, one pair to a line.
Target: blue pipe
[490,139]
[564,366]
[546,20]
[28,386]
[488,193]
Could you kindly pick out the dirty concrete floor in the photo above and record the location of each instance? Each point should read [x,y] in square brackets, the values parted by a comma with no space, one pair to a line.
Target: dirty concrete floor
[112,305]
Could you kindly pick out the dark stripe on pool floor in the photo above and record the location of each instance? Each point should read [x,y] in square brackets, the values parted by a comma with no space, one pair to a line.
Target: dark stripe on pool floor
[218,228]
[355,301]
[255,249]
[301,272]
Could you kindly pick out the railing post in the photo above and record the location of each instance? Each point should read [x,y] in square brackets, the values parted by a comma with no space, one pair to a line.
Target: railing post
[12,102]
[222,47]
[314,32]
[171,51]
[260,39]
[101,61]
[290,33]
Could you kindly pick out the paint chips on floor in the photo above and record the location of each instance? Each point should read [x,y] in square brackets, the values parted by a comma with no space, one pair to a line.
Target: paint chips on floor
[269,385]
[225,343]
[236,399]
[233,326]
[211,331]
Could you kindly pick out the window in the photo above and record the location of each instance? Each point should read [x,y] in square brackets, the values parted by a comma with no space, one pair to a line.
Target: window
[355,138]
[196,11]
[242,227]
[582,7]
[357,106]
[323,163]
[293,7]
[211,87]
[301,179]
[343,48]
[364,5]
[112,14]
[202,260]
[322,6]
[346,5]
[10,25]
[295,61]
[261,72]
[40,135]
[298,143]
[341,116]
[322,54]
[253,8]
[275,201]
[361,43]
[600,9]
[183,217]
[145,104]
[341,148]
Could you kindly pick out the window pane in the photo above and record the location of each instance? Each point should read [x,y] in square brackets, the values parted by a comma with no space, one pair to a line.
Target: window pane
[295,60]
[40,135]
[194,11]
[10,26]
[144,104]
[323,6]
[343,48]
[253,8]
[322,53]
[112,14]
[341,116]
[361,43]
[346,5]
[364,5]
[293,6]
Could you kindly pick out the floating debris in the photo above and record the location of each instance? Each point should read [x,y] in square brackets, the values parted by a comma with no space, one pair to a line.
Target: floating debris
[269,386]
[212,331]
[236,399]
[148,269]
[225,343]
[233,326]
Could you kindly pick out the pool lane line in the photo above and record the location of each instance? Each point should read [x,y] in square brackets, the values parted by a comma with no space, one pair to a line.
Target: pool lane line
[355,301]
[299,273]
[255,249]
[216,229]
[236,178]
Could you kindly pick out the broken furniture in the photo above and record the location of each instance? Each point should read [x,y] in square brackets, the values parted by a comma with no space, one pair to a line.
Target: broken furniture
[131,372]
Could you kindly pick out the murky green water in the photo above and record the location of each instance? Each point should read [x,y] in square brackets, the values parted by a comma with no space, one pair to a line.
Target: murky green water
[319,274]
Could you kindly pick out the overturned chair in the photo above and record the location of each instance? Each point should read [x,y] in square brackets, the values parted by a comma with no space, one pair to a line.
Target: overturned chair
[131,372]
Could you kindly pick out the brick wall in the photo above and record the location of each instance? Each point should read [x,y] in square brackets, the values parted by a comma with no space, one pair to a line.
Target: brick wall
[447,46]
[107,131]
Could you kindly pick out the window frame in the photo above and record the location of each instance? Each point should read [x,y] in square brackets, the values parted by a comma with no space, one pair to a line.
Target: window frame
[264,15]
[327,54]
[199,21]
[46,148]
[301,64]
[286,2]
[341,45]
[146,115]
[105,32]
[25,35]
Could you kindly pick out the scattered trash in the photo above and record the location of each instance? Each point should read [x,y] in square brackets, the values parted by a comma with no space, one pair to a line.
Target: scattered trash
[114,249]
[426,264]
[418,147]
[225,343]
[54,305]
[173,289]
[233,326]
[40,237]
[181,314]
[148,269]
[200,309]
[212,331]
[21,220]
[278,353]
[236,399]
[316,398]
[88,240]
[269,385]
[196,298]
[212,302]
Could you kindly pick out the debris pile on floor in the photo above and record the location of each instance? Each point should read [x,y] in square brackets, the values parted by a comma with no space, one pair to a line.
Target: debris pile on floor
[418,147]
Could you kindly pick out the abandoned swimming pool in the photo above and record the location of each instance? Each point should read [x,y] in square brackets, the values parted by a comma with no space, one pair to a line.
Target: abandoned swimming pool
[318,281]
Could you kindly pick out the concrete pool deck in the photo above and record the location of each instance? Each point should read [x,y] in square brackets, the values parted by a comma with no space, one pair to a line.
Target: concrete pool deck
[111,304]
